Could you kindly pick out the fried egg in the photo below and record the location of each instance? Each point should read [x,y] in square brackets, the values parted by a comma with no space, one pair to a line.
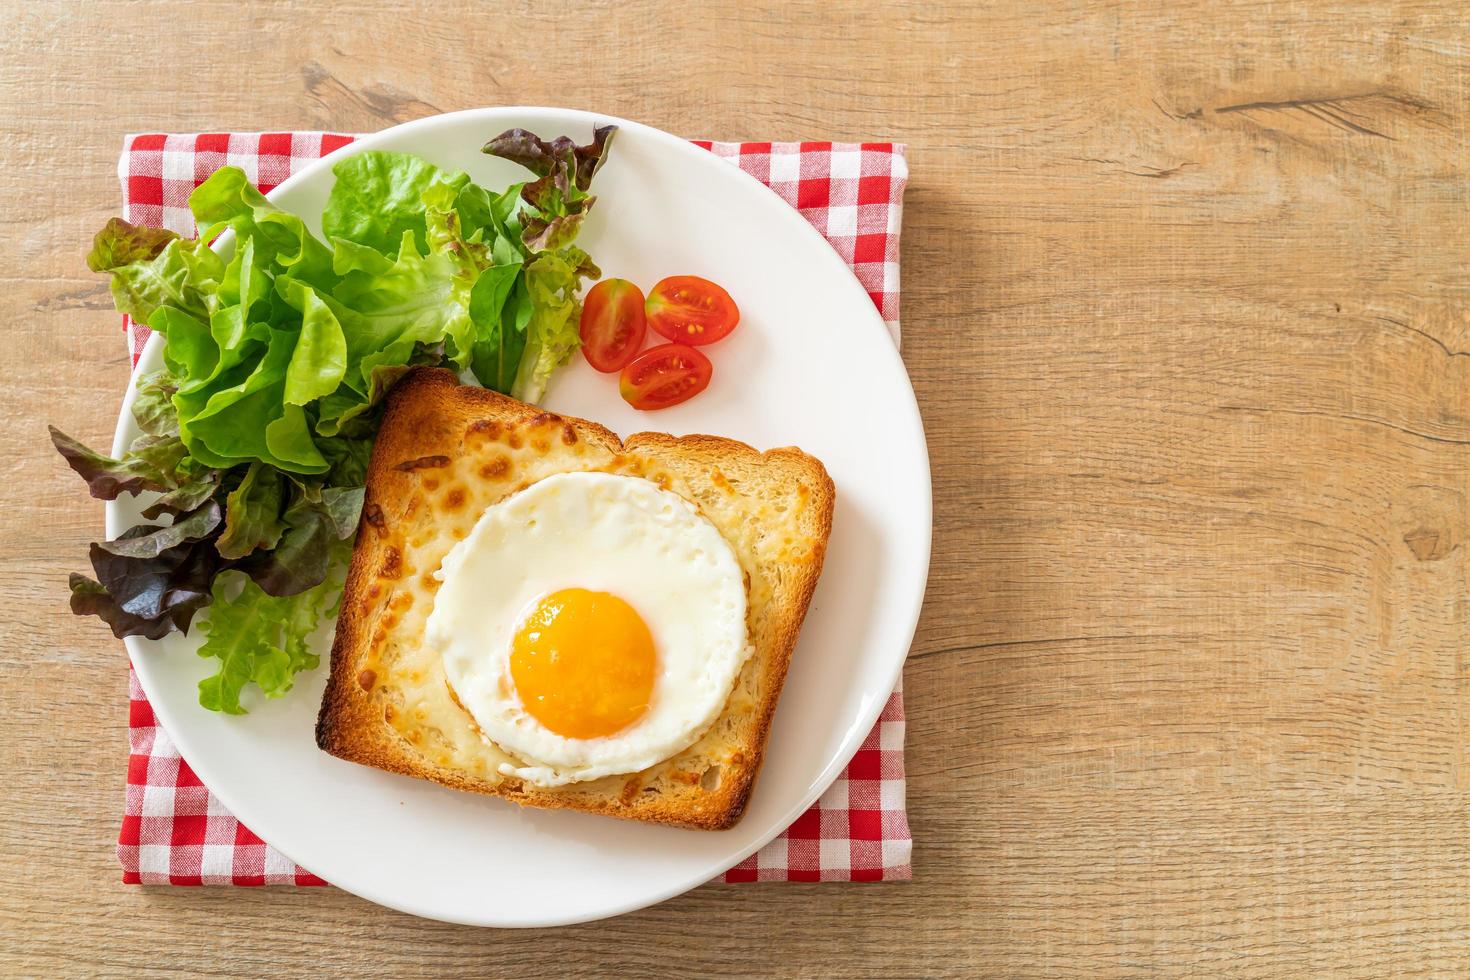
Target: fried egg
[591,624]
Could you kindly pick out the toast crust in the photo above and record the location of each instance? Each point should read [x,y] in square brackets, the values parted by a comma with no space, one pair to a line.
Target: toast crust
[432,424]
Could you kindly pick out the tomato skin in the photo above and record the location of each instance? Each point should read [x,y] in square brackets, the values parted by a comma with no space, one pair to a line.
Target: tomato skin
[690,310]
[663,376]
[613,324]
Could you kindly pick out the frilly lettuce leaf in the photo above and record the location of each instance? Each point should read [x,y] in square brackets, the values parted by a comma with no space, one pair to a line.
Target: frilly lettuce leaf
[148,596]
[183,274]
[150,541]
[185,497]
[246,281]
[421,298]
[556,204]
[552,334]
[348,458]
[378,199]
[486,276]
[90,598]
[191,351]
[107,478]
[252,513]
[260,639]
[546,157]
[121,243]
[564,170]
[316,520]
[347,415]
[153,407]
[319,359]
[251,419]
[227,200]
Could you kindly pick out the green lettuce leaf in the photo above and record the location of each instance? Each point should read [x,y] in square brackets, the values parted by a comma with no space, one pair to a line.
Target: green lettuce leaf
[347,415]
[191,351]
[253,513]
[349,461]
[251,420]
[153,407]
[349,257]
[552,335]
[487,274]
[260,639]
[246,281]
[386,310]
[320,358]
[183,275]
[153,267]
[501,308]
[227,200]
[377,199]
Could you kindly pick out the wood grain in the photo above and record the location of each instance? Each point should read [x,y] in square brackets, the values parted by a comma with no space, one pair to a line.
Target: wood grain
[1185,305]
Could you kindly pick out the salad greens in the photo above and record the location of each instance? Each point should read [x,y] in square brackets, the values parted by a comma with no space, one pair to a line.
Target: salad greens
[255,436]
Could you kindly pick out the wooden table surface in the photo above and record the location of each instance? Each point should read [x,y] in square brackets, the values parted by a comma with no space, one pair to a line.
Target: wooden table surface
[1185,305]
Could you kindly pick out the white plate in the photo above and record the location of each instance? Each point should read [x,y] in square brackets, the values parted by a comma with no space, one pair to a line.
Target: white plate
[811,365]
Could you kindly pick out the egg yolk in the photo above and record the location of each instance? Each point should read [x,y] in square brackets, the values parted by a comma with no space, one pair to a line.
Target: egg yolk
[583,663]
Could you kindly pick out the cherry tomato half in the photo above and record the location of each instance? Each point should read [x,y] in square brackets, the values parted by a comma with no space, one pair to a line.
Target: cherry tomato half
[663,376]
[691,310]
[613,324]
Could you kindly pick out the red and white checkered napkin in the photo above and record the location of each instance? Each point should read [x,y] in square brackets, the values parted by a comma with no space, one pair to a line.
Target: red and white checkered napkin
[175,832]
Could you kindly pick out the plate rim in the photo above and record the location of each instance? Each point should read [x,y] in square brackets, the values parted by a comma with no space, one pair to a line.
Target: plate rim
[862,723]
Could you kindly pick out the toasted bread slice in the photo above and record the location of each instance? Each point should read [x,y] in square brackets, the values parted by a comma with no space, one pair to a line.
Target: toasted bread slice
[446,452]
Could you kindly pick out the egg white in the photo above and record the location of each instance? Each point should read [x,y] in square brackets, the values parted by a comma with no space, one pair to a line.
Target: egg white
[606,533]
